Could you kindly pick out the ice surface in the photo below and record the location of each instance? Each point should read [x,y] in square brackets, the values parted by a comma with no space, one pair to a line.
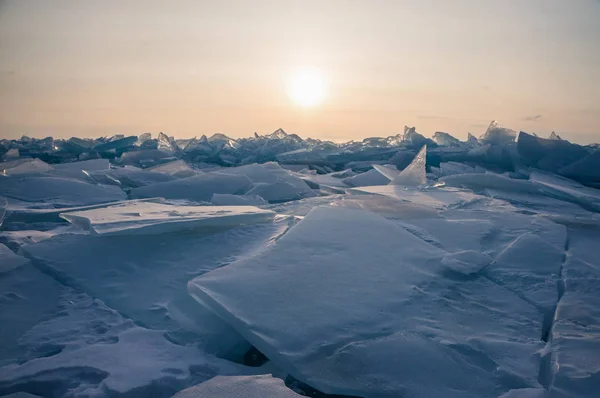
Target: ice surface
[433,197]
[530,268]
[573,368]
[147,217]
[197,188]
[343,338]
[59,191]
[262,386]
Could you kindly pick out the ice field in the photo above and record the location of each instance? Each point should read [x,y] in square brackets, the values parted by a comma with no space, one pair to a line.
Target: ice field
[276,266]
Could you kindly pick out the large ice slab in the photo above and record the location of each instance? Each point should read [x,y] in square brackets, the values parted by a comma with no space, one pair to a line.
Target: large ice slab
[324,301]
[197,188]
[145,276]
[262,386]
[147,217]
[59,191]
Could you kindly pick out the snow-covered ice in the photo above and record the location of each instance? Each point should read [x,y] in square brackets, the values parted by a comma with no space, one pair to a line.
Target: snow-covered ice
[149,266]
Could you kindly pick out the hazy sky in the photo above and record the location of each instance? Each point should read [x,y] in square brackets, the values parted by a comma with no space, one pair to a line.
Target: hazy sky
[91,68]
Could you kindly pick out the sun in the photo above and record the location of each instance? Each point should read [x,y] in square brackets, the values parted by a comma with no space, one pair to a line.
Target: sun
[307,88]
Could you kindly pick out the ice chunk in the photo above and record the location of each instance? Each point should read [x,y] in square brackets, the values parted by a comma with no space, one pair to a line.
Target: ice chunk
[586,170]
[272,183]
[451,168]
[548,154]
[198,188]
[24,167]
[237,200]
[129,177]
[59,191]
[144,157]
[144,217]
[554,136]
[483,183]
[346,337]
[413,175]
[262,386]
[80,170]
[445,139]
[366,179]
[497,135]
[12,154]
[10,260]
[177,168]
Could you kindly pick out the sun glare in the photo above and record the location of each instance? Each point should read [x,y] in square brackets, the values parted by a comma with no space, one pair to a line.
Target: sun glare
[307,88]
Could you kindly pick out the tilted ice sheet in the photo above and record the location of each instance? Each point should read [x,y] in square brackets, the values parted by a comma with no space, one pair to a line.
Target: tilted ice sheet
[129,177]
[145,217]
[59,191]
[197,188]
[323,303]
[413,175]
[262,386]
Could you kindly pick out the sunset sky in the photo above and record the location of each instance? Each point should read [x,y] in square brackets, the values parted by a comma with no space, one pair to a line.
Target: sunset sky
[187,68]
